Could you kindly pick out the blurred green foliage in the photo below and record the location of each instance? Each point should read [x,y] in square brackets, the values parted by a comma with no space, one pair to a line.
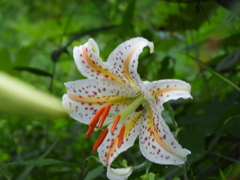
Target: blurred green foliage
[37,38]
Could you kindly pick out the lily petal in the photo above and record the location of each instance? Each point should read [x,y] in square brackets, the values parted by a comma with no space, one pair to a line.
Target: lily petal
[119,174]
[123,61]
[110,149]
[90,64]
[171,89]
[85,97]
[157,143]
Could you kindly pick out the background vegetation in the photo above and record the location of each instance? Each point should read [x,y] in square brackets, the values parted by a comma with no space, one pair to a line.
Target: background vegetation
[195,40]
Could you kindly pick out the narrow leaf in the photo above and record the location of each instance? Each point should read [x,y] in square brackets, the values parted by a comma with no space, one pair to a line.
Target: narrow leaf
[148,166]
[127,17]
[218,75]
[41,162]
[222,175]
[5,172]
[94,173]
[26,172]
[225,173]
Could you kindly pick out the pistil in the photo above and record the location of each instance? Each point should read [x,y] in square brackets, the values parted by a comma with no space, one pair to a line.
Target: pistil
[132,107]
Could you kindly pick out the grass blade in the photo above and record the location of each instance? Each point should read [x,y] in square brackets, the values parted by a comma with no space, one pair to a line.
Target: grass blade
[215,73]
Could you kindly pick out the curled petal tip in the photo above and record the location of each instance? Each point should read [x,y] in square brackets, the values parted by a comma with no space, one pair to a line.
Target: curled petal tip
[94,46]
[151,46]
[119,174]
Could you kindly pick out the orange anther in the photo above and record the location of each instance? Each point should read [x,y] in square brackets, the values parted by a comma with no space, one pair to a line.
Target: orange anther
[115,122]
[100,139]
[120,136]
[96,117]
[90,130]
[104,115]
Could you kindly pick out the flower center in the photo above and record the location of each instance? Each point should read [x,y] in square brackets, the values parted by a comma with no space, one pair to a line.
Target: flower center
[101,115]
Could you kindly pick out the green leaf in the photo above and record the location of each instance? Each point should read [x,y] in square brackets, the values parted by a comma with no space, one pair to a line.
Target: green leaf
[148,166]
[34,71]
[5,172]
[222,175]
[150,176]
[5,63]
[127,18]
[176,178]
[228,61]
[225,173]
[93,174]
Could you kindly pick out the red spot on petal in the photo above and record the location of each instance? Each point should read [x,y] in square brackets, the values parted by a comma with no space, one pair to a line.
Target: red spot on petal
[164,136]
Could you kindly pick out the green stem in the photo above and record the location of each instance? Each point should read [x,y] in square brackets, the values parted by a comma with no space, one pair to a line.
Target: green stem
[175,128]
[184,172]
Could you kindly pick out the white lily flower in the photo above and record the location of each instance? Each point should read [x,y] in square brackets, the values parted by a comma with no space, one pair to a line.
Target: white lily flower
[116,97]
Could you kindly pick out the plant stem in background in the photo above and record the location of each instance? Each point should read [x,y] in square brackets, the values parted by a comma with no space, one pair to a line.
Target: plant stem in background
[175,128]
[172,116]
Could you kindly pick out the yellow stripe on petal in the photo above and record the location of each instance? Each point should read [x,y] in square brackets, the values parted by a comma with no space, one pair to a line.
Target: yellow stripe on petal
[109,149]
[100,100]
[170,89]
[128,132]
[90,64]
[157,143]
[160,140]
[127,66]
[85,97]
[124,60]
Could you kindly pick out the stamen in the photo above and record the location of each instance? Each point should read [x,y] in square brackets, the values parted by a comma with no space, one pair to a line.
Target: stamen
[116,120]
[94,121]
[104,115]
[100,139]
[120,136]
[96,117]
[90,130]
